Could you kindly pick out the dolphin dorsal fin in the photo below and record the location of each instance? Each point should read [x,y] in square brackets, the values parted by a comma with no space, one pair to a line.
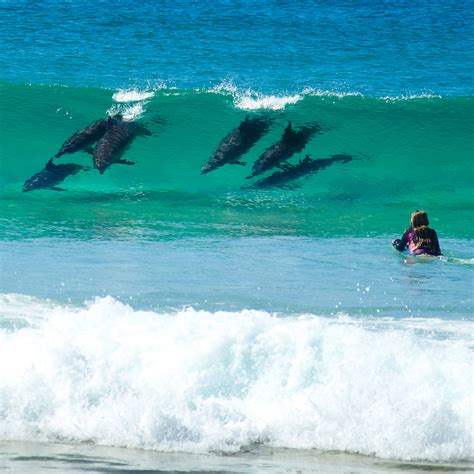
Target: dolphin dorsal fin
[244,123]
[288,131]
[50,165]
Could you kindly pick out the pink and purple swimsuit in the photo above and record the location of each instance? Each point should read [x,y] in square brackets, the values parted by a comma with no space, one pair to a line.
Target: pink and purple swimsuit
[407,240]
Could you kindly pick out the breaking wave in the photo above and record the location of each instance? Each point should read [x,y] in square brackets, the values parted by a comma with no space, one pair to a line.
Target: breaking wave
[197,381]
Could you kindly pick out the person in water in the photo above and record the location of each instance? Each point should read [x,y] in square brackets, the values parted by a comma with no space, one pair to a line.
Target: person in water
[419,238]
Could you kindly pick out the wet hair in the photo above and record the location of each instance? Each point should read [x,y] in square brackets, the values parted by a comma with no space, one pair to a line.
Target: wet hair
[422,234]
[422,237]
[419,219]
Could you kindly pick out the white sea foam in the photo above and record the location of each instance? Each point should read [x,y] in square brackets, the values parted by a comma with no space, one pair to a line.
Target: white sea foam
[197,381]
[131,95]
[272,102]
[131,103]
[329,93]
[128,112]
[426,95]
[251,100]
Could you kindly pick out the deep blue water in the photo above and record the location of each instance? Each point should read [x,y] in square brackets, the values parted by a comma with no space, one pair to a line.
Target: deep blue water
[376,48]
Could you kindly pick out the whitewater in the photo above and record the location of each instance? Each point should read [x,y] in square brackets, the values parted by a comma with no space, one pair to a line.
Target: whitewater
[197,381]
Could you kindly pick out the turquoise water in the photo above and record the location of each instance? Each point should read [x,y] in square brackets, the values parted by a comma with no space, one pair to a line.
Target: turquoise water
[156,308]
[405,154]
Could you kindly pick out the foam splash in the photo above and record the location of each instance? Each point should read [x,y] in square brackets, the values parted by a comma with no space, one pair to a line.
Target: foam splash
[129,113]
[329,93]
[131,95]
[196,381]
[272,102]
[131,103]
[424,95]
[251,100]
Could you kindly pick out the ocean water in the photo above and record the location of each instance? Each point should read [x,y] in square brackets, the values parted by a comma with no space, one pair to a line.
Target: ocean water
[153,318]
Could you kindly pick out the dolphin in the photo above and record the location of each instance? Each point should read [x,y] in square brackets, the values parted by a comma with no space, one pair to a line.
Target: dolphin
[291,142]
[83,139]
[51,175]
[236,143]
[306,166]
[110,147]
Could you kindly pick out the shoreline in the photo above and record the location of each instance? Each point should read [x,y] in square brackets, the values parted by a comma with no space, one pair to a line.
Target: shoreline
[36,457]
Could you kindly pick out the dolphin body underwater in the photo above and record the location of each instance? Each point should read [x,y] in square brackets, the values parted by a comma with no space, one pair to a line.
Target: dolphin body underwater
[83,139]
[292,141]
[236,143]
[306,166]
[51,175]
[110,147]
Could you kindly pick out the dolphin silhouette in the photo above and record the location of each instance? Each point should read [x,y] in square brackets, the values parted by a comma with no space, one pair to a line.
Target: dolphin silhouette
[110,147]
[51,175]
[291,142]
[236,143]
[83,139]
[306,166]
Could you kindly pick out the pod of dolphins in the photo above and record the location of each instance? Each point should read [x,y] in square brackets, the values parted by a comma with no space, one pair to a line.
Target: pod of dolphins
[112,136]
[238,141]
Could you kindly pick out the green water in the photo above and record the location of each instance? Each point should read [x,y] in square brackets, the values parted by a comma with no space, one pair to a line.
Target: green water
[407,154]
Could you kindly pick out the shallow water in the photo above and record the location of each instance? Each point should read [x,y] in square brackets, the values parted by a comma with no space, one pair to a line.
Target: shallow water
[39,458]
